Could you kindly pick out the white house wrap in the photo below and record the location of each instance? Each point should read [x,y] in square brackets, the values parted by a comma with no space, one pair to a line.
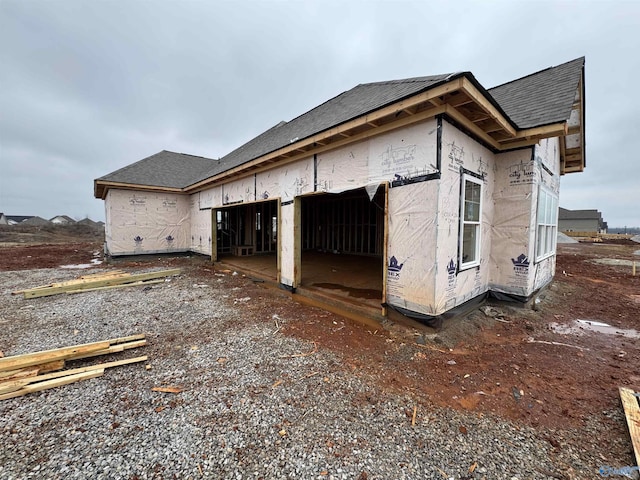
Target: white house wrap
[451,187]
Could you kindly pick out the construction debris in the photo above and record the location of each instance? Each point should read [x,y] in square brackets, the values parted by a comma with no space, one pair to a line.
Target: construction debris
[99,281]
[630,401]
[33,372]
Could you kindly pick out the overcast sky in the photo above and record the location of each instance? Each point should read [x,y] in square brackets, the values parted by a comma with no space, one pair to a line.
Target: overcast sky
[89,87]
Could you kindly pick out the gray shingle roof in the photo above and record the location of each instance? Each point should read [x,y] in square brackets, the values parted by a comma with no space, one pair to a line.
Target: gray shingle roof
[358,101]
[541,98]
[538,99]
[164,169]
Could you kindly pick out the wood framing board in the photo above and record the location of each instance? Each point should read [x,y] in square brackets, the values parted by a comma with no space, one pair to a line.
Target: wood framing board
[124,285]
[36,358]
[63,373]
[121,347]
[385,249]
[632,412]
[214,235]
[55,290]
[56,382]
[17,362]
[78,281]
[297,241]
[279,241]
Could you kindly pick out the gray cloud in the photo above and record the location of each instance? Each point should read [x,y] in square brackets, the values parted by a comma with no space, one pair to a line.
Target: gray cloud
[88,87]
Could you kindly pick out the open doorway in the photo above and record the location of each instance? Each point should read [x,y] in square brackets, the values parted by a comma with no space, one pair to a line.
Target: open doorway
[342,240]
[247,237]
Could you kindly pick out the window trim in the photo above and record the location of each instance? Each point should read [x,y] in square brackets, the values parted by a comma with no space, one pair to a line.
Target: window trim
[468,177]
[549,222]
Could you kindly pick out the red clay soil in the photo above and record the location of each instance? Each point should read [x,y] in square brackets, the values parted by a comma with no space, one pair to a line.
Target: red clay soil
[501,367]
[25,257]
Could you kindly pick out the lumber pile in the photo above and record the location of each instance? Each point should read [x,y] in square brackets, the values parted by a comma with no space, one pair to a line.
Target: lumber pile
[98,281]
[631,404]
[37,371]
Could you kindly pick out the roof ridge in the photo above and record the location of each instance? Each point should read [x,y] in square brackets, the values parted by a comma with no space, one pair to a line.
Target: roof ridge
[409,79]
[537,73]
[188,154]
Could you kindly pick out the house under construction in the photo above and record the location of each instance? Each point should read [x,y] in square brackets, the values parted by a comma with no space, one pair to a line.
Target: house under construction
[417,195]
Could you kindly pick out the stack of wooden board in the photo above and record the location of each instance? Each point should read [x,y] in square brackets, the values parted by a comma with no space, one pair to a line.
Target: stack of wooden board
[99,281]
[631,404]
[33,372]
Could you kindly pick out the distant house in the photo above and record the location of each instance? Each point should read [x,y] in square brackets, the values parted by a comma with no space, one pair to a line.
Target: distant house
[16,219]
[36,222]
[62,220]
[429,192]
[581,221]
[89,223]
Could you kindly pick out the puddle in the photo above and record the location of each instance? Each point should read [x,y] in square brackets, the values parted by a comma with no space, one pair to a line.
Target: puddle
[366,293]
[614,261]
[81,266]
[578,327]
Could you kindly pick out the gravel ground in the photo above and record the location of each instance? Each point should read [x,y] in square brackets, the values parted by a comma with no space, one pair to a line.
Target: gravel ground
[256,403]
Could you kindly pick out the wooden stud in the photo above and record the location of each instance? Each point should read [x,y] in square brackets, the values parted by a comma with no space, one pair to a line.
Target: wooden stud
[78,281]
[385,248]
[73,371]
[36,358]
[112,349]
[47,291]
[214,235]
[630,404]
[75,351]
[279,242]
[56,382]
[297,241]
[109,287]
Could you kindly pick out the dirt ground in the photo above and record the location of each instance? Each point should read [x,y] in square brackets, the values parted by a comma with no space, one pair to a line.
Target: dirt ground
[535,366]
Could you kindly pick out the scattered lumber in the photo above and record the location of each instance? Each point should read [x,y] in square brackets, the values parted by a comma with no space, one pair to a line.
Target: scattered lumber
[79,280]
[68,353]
[630,401]
[86,283]
[33,372]
[167,389]
[37,387]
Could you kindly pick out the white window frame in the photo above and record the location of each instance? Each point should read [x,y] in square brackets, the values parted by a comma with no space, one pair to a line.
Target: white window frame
[546,224]
[463,265]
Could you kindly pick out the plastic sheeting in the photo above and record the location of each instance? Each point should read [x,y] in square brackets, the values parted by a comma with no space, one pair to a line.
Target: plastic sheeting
[511,233]
[201,232]
[411,256]
[460,153]
[547,161]
[402,154]
[146,222]
[522,172]
[286,182]
[287,243]
[424,274]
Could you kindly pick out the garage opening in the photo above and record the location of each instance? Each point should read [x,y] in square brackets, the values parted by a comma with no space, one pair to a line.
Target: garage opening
[342,238]
[247,237]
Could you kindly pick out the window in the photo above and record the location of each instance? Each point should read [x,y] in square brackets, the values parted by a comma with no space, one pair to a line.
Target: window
[547,224]
[470,218]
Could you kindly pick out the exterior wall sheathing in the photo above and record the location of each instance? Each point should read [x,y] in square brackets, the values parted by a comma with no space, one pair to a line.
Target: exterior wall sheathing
[146,222]
[423,273]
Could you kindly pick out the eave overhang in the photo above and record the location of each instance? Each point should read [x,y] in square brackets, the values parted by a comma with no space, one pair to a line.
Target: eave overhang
[101,187]
[461,99]
[572,145]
